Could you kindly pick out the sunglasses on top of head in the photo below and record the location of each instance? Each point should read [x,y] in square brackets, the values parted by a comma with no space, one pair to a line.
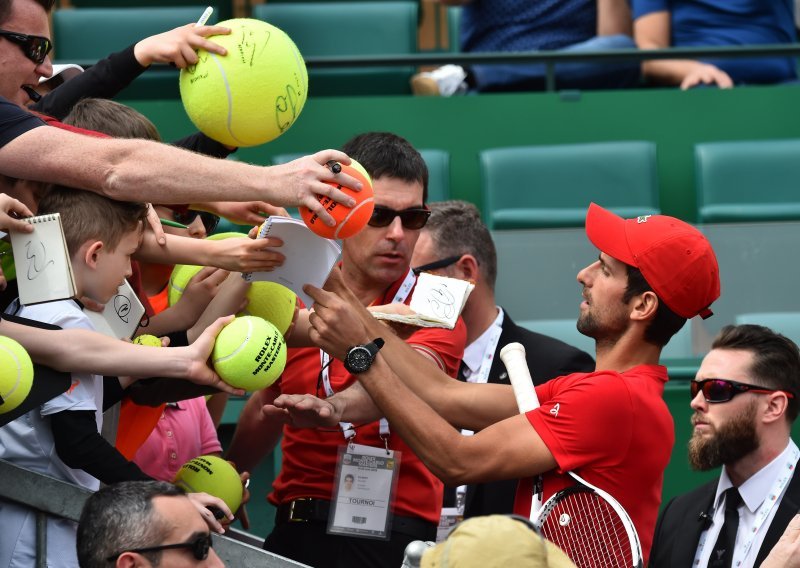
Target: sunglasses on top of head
[723,390]
[199,546]
[34,47]
[412,218]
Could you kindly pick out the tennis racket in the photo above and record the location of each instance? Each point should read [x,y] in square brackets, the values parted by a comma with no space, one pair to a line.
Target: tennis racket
[587,523]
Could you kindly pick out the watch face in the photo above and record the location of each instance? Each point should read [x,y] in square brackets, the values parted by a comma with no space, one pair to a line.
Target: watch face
[359,359]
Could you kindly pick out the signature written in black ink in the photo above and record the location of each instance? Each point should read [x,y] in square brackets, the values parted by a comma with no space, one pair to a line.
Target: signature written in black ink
[442,302]
[122,307]
[286,108]
[36,253]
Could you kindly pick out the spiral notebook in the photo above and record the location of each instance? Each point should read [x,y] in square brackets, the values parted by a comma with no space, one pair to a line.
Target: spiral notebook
[44,272]
[309,257]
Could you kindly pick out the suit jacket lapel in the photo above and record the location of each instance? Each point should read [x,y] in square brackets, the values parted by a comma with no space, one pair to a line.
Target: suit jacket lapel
[786,510]
[686,546]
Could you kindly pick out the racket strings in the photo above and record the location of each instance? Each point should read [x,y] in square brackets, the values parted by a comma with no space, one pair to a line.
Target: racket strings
[589,531]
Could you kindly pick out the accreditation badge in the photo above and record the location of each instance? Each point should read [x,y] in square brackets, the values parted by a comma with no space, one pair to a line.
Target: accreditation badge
[366,479]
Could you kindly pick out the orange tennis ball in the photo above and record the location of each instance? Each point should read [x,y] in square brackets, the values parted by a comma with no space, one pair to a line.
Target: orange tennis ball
[349,220]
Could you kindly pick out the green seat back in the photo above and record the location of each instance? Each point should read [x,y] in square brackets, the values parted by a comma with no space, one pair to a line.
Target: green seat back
[223,9]
[86,35]
[748,181]
[349,29]
[454,28]
[552,186]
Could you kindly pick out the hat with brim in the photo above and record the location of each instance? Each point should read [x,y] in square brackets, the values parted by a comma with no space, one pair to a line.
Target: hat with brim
[65,71]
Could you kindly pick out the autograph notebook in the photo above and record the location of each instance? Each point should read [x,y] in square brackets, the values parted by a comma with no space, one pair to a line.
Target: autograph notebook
[121,316]
[44,272]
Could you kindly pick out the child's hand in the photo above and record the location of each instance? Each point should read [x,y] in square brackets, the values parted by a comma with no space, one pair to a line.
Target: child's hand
[10,211]
[179,46]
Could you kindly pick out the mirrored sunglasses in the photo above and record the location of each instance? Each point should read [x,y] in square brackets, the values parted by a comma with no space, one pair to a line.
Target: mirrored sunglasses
[34,47]
[723,390]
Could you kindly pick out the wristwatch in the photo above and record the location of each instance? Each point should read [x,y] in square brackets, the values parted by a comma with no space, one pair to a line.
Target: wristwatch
[360,357]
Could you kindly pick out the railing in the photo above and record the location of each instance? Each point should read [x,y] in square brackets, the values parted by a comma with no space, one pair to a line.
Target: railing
[53,497]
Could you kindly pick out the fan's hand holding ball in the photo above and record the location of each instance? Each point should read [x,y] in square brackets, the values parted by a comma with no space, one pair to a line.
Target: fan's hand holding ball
[349,220]
[212,475]
[16,374]
[251,95]
[249,353]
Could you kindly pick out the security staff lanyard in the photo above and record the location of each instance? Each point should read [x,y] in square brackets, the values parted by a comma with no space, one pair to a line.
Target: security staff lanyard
[347,427]
[740,553]
[482,376]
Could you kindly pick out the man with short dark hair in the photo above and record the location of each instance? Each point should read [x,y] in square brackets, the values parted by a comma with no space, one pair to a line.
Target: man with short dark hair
[744,401]
[145,524]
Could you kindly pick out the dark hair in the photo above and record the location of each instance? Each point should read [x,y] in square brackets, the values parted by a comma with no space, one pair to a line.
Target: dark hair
[776,358]
[112,118]
[5,8]
[666,323]
[386,154]
[121,517]
[456,228]
[88,215]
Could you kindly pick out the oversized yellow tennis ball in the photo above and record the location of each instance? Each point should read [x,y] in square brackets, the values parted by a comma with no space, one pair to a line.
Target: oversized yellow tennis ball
[251,95]
[272,302]
[212,475]
[147,339]
[223,236]
[178,280]
[16,374]
[249,353]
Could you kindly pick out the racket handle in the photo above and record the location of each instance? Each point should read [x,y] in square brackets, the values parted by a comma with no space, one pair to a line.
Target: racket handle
[513,356]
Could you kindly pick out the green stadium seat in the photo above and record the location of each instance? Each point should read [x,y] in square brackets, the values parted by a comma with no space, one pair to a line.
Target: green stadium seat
[222,11]
[551,186]
[86,35]
[350,29]
[438,162]
[748,181]
[786,323]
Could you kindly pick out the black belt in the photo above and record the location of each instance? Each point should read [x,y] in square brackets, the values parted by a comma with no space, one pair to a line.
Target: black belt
[307,510]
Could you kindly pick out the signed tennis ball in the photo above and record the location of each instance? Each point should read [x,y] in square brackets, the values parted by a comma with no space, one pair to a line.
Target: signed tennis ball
[212,475]
[249,353]
[251,95]
[272,302]
[147,339]
[16,374]
[349,221]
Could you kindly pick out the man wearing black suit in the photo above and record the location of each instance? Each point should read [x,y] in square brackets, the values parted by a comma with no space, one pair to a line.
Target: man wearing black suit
[745,401]
[456,243]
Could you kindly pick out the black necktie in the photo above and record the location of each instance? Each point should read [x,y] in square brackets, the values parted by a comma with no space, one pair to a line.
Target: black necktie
[462,370]
[722,554]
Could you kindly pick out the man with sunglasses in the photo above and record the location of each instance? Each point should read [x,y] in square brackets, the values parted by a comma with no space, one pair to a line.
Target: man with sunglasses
[143,524]
[457,243]
[745,402]
[376,265]
[130,169]
[610,426]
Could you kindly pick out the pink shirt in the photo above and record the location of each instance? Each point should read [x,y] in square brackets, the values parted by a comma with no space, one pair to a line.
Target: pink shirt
[183,432]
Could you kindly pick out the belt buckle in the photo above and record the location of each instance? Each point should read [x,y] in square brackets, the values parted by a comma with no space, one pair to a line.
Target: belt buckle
[291,518]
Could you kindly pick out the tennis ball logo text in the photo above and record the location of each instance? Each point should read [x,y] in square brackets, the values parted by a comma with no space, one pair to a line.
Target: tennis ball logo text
[267,361]
[199,464]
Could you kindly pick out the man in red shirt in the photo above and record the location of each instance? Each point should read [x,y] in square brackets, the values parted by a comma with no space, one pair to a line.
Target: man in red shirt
[376,266]
[612,426]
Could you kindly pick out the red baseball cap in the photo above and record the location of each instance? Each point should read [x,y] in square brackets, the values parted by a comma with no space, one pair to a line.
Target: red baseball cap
[675,258]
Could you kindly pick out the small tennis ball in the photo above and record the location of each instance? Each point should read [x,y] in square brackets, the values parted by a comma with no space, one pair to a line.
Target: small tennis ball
[16,374]
[212,475]
[147,339]
[349,221]
[272,302]
[251,95]
[180,277]
[249,353]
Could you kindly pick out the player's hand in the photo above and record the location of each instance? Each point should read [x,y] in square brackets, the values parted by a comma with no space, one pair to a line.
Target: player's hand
[246,212]
[199,351]
[248,255]
[301,181]
[179,46]
[10,211]
[706,74]
[302,411]
[336,319]
[202,502]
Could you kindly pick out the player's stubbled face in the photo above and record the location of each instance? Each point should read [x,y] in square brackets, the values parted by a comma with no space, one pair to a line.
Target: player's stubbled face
[603,314]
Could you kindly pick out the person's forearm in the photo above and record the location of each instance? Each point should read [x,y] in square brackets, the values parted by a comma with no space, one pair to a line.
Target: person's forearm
[255,435]
[168,321]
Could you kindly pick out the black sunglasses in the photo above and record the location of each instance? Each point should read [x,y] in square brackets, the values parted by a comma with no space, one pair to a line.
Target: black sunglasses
[34,47]
[199,545]
[209,220]
[437,264]
[412,218]
[723,390]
